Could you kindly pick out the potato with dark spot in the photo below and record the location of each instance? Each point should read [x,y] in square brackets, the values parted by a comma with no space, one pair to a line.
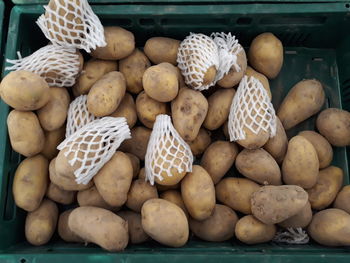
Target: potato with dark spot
[63,229]
[52,140]
[201,142]
[277,145]
[137,145]
[162,49]
[301,219]
[342,199]
[136,233]
[140,191]
[126,109]
[59,195]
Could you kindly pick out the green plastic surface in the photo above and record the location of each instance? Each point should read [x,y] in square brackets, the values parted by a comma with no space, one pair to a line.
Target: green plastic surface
[317,45]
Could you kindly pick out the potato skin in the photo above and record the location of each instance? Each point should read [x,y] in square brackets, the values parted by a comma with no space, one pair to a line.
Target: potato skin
[250,72]
[137,145]
[126,109]
[99,226]
[162,49]
[165,222]
[140,191]
[342,199]
[301,219]
[277,145]
[254,141]
[59,195]
[63,229]
[174,197]
[91,197]
[136,233]
[201,142]
[52,140]
[30,182]
[135,162]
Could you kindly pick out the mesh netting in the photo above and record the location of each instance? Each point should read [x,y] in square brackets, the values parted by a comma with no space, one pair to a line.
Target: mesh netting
[93,145]
[166,150]
[72,23]
[59,66]
[292,236]
[196,54]
[251,108]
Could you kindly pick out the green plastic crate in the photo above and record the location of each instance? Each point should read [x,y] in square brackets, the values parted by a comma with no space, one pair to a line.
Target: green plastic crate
[317,45]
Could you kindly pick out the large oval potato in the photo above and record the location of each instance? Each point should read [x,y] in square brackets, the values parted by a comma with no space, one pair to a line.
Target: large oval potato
[201,142]
[140,191]
[174,197]
[30,182]
[277,145]
[136,233]
[135,162]
[59,195]
[52,140]
[137,145]
[165,222]
[91,197]
[250,72]
[126,109]
[301,219]
[162,49]
[342,199]
[63,229]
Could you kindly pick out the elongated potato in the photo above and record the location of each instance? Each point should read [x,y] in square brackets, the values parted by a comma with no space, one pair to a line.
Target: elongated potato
[126,109]
[342,199]
[137,145]
[277,145]
[174,197]
[162,49]
[140,191]
[201,142]
[59,195]
[135,162]
[91,197]
[52,140]
[301,219]
[63,229]
[136,233]
[250,72]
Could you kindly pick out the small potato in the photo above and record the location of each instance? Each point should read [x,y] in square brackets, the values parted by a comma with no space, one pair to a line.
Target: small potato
[99,226]
[136,233]
[120,44]
[30,182]
[174,197]
[201,142]
[165,222]
[52,140]
[137,145]
[59,195]
[140,191]
[342,199]
[41,223]
[91,197]
[250,72]
[126,109]
[189,110]
[218,159]
[266,54]
[277,145]
[135,162]
[198,193]
[26,135]
[259,166]
[301,219]
[219,227]
[250,230]
[236,193]
[24,90]
[63,229]
[142,174]
[330,227]
[334,125]
[162,49]
[53,115]
[219,108]
[329,182]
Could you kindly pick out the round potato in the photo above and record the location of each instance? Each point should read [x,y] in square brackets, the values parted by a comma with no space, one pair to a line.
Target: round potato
[59,195]
[52,140]
[136,233]
[250,72]
[140,191]
[201,142]
[342,199]
[126,109]
[162,49]
[63,229]
[301,219]
[174,197]
[137,145]
[277,145]
[91,197]
[135,162]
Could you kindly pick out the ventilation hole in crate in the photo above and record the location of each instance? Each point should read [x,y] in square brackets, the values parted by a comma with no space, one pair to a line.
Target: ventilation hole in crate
[347,5]
[294,20]
[9,202]
[317,59]
[122,22]
[203,22]
[328,103]
[23,260]
[244,21]
[146,22]
[345,92]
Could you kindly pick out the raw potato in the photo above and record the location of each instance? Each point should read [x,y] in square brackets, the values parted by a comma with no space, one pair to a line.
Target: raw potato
[329,182]
[136,233]
[218,159]
[63,229]
[174,197]
[91,197]
[26,135]
[53,115]
[342,200]
[323,148]
[24,90]
[250,72]
[189,110]
[126,109]
[300,165]
[219,108]
[274,204]
[331,227]
[201,142]
[160,82]
[219,227]
[305,99]
[236,193]
[30,182]
[254,141]
[135,162]
[165,222]
[301,219]
[334,125]
[251,231]
[259,166]
[99,226]
[41,223]
[140,191]
[59,195]
[52,140]
[162,49]
[266,54]
[142,174]
[120,44]
[198,193]
[137,145]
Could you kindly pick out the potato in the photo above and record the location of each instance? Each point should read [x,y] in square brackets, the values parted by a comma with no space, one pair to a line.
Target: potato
[198,193]
[236,193]
[142,174]
[148,109]
[329,182]
[330,227]
[219,108]
[59,195]
[126,109]
[218,159]
[305,99]
[181,79]
[30,182]
[300,165]
[120,44]
[334,125]
[53,115]
[135,162]
[174,197]
[259,166]
[277,145]
[93,70]
[189,110]
[24,90]
[99,226]
[113,180]
[219,227]
[250,72]
[63,229]
[41,223]
[26,135]
[140,191]
[254,141]
[165,222]
[323,148]
[160,82]
[201,142]
[266,54]
[225,130]
[136,233]
[91,197]
[251,231]
[52,140]
[301,219]
[137,145]
[273,204]
[162,49]
[342,199]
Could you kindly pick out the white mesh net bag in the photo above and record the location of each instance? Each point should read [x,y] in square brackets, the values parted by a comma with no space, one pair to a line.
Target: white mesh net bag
[72,23]
[166,150]
[93,145]
[59,66]
[251,108]
[78,115]
[292,236]
[196,54]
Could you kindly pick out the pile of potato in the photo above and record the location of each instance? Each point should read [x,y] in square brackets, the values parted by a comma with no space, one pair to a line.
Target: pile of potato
[284,183]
